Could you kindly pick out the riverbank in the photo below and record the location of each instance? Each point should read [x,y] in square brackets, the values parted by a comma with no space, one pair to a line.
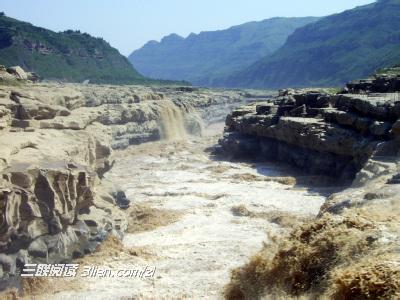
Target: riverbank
[57,142]
[351,249]
[140,168]
[197,217]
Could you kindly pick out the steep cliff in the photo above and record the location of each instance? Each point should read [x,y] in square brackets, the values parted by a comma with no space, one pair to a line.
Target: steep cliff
[318,132]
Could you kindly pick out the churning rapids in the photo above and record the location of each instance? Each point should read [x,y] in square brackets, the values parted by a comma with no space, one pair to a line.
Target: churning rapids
[197,218]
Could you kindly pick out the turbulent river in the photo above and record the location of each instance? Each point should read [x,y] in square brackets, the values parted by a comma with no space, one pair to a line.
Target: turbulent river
[197,218]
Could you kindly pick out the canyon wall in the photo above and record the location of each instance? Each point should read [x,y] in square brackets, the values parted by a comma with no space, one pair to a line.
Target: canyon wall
[351,249]
[316,131]
[56,143]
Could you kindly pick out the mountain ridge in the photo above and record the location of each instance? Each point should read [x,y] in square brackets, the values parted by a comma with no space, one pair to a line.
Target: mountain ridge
[201,58]
[331,51]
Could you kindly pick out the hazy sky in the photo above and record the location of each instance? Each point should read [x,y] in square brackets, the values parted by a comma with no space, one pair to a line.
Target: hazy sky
[128,24]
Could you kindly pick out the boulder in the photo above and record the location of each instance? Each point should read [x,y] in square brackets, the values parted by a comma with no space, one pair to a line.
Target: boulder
[379,128]
[33,77]
[18,72]
[121,200]
[38,248]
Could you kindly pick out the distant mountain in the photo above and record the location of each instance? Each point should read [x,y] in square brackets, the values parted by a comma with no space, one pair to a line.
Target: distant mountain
[331,51]
[202,58]
[69,55]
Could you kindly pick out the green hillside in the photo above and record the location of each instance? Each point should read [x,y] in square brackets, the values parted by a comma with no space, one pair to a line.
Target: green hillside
[70,55]
[331,51]
[202,58]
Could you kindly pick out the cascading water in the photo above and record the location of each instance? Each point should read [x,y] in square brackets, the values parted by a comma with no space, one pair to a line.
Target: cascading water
[177,122]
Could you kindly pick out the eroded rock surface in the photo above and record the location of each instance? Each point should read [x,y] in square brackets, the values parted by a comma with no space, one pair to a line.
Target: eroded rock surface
[387,81]
[318,132]
[56,144]
[351,249]
[16,74]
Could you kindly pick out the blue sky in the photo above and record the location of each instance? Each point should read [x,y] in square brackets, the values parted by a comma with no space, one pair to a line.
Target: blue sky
[128,24]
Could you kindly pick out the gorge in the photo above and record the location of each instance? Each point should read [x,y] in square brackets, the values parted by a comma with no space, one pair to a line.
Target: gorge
[121,176]
[260,161]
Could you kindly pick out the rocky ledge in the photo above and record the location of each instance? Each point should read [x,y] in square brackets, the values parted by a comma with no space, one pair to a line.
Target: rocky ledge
[321,133]
[351,251]
[386,81]
[56,143]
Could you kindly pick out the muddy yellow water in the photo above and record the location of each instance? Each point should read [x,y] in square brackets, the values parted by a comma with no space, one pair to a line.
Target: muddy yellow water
[194,218]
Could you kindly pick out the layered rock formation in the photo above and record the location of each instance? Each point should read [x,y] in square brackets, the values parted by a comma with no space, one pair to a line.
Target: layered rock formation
[387,81]
[351,250]
[319,132]
[56,143]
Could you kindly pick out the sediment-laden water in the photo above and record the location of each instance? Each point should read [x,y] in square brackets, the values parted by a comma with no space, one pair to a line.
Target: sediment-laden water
[195,218]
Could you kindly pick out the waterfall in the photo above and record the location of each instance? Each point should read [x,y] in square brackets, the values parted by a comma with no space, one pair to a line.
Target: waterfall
[173,126]
[177,122]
